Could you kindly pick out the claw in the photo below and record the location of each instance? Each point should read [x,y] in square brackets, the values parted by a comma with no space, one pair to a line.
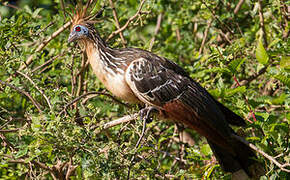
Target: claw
[146,112]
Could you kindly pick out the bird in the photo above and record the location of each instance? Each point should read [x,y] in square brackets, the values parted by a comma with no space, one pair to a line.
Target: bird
[141,77]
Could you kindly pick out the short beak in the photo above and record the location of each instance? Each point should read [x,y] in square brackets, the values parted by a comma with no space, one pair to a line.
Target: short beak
[72,37]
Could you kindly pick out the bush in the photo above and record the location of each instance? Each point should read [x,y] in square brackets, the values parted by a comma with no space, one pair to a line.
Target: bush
[54,110]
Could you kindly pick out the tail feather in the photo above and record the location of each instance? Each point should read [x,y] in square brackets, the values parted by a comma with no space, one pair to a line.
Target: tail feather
[243,159]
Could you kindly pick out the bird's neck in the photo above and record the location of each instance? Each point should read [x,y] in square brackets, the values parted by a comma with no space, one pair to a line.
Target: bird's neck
[102,56]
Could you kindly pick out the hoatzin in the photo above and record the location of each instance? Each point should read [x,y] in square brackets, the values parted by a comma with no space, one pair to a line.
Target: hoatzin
[139,76]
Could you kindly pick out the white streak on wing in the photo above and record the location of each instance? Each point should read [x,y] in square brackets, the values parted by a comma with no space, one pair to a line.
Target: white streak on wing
[116,58]
[163,85]
[144,98]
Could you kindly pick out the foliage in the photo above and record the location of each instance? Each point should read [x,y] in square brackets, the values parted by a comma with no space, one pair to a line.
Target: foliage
[35,142]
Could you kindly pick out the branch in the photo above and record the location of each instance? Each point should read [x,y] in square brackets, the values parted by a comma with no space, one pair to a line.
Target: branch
[272,159]
[34,102]
[6,142]
[244,96]
[47,62]
[254,76]
[238,7]
[90,93]
[43,44]
[213,14]
[262,23]
[36,87]
[205,36]
[128,22]
[9,130]
[58,171]
[247,102]
[121,120]
[70,169]
[158,24]
[117,22]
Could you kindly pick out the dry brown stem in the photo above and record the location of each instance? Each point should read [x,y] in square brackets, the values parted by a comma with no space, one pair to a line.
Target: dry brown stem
[272,159]
[34,102]
[262,24]
[158,24]
[36,87]
[128,22]
[117,22]
[205,36]
[90,93]
[238,7]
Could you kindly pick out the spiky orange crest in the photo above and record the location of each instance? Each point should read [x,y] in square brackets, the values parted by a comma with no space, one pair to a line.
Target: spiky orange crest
[83,13]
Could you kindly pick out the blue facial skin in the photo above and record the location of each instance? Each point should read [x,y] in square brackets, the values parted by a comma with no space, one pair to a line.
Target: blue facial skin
[78,32]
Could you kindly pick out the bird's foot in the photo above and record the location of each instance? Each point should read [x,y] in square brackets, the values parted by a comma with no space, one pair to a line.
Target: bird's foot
[146,112]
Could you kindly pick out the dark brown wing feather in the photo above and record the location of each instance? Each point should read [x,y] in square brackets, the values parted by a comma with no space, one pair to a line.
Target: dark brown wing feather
[163,84]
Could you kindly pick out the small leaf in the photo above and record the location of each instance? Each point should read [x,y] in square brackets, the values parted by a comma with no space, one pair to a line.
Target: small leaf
[261,53]
[231,92]
[279,99]
[36,12]
[285,62]
[235,64]
[284,78]
[205,149]
[21,153]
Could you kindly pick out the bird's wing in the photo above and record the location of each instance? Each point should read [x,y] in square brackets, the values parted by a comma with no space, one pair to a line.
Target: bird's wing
[163,84]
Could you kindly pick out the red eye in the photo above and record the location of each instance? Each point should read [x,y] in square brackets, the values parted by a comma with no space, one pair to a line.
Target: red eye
[78,29]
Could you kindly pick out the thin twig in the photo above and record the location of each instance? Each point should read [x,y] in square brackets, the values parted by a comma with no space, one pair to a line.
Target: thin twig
[247,102]
[45,28]
[121,120]
[246,99]
[222,23]
[47,62]
[57,171]
[262,24]
[7,122]
[34,102]
[90,93]
[70,169]
[128,22]
[9,130]
[36,87]
[205,36]
[272,159]
[43,44]
[136,146]
[6,142]
[254,76]
[117,22]
[158,24]
[238,7]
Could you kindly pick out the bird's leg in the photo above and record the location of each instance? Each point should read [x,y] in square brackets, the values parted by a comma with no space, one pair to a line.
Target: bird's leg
[145,116]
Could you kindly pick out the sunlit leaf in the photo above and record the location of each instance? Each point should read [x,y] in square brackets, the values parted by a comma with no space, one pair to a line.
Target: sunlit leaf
[261,53]
[285,62]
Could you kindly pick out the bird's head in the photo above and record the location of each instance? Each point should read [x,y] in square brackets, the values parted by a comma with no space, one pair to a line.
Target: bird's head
[83,21]
[78,32]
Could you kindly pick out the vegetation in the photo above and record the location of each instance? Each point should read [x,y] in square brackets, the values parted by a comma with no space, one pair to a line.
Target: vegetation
[54,111]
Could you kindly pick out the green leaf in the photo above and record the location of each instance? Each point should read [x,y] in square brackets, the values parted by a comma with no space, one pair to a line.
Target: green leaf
[205,149]
[261,53]
[235,64]
[284,78]
[285,62]
[279,99]
[21,153]
[231,92]
[36,12]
